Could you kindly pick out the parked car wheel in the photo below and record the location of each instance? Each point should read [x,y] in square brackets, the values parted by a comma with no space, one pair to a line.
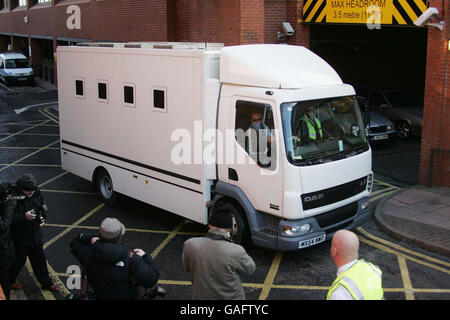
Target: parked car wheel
[105,188]
[403,129]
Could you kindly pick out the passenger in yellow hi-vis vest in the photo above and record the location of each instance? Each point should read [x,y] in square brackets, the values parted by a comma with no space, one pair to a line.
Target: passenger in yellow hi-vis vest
[356,279]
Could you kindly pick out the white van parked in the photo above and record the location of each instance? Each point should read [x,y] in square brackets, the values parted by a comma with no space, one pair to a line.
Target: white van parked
[170,124]
[15,69]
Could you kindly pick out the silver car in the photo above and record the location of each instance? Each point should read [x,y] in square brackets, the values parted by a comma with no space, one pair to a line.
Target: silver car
[401,107]
[378,128]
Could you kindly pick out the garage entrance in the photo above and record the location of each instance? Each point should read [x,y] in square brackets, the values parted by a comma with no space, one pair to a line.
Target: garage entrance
[391,60]
[391,57]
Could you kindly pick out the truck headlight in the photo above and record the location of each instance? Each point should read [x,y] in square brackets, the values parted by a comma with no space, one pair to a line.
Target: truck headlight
[389,127]
[296,230]
[364,204]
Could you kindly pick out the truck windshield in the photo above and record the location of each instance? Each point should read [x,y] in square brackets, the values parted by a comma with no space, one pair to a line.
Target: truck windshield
[16,63]
[319,131]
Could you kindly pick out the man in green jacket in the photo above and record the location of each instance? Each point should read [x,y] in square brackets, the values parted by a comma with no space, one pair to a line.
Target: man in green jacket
[356,279]
[215,263]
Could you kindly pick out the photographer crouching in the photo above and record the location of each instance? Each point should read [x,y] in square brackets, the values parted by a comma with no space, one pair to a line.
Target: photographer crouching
[29,216]
[7,254]
[113,271]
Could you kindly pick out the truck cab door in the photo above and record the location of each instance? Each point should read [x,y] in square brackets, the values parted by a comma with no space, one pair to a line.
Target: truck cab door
[252,161]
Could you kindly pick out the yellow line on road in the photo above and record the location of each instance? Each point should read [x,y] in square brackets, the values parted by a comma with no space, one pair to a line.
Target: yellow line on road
[397,253]
[380,191]
[398,247]
[45,293]
[171,235]
[29,155]
[32,165]
[405,278]
[66,231]
[268,283]
[14,134]
[127,229]
[53,179]
[70,192]
[62,287]
[385,183]
[382,195]
[49,116]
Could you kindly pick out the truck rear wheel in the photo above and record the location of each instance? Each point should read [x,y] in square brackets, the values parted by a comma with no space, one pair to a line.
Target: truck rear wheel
[105,188]
[240,233]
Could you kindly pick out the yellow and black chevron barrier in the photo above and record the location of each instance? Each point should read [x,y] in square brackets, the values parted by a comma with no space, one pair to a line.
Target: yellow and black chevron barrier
[386,12]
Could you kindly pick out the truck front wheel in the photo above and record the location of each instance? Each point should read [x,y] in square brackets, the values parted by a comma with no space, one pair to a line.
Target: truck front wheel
[104,188]
[240,233]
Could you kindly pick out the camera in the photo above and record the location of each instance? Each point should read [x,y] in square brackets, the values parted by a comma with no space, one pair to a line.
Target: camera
[40,212]
[425,17]
[6,193]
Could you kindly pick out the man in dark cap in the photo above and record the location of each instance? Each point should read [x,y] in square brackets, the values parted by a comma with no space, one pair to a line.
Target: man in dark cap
[29,218]
[113,271]
[215,263]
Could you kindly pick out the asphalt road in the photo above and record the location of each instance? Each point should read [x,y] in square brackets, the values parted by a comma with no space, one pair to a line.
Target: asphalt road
[29,142]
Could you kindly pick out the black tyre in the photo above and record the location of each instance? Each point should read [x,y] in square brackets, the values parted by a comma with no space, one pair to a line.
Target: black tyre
[105,188]
[403,129]
[240,232]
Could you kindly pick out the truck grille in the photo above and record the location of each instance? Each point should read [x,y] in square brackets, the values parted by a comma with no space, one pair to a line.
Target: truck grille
[337,215]
[379,129]
[328,196]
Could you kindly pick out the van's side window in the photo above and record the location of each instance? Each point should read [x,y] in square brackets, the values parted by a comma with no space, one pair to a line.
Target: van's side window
[79,87]
[129,94]
[103,91]
[254,131]
[160,99]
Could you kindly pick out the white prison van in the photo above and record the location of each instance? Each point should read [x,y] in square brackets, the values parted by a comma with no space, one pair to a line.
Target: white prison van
[173,125]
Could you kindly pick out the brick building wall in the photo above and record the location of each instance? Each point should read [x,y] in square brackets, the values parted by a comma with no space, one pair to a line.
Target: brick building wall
[436,119]
[112,20]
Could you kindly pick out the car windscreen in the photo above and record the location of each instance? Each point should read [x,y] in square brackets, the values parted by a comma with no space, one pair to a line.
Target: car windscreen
[16,63]
[317,131]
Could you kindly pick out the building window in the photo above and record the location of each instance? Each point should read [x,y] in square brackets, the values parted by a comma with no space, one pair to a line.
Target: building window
[129,94]
[160,99]
[79,88]
[42,1]
[22,3]
[102,91]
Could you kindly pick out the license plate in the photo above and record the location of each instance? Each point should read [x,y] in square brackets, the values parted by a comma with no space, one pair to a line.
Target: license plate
[382,137]
[22,79]
[311,242]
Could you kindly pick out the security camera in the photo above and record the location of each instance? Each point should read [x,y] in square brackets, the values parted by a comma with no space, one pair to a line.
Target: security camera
[426,17]
[287,29]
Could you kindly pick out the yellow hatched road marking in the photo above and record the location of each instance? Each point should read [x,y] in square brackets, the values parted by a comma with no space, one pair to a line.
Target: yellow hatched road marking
[371,199]
[405,277]
[171,235]
[14,134]
[398,247]
[271,275]
[53,179]
[66,231]
[45,293]
[49,116]
[396,253]
[70,192]
[29,155]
